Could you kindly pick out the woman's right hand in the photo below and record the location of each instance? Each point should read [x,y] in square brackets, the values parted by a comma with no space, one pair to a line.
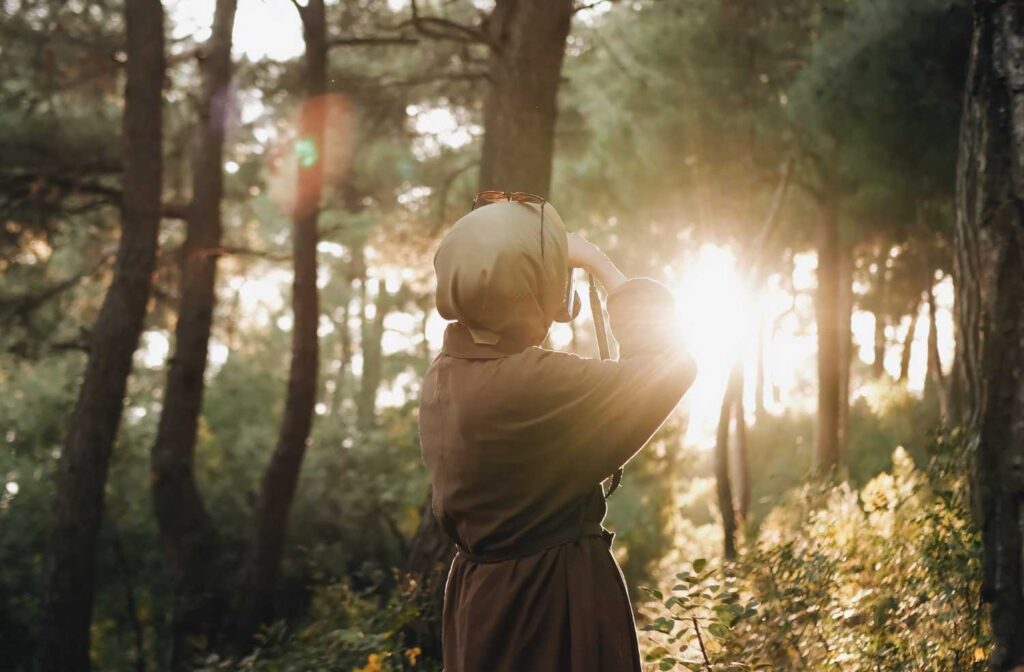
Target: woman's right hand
[582,253]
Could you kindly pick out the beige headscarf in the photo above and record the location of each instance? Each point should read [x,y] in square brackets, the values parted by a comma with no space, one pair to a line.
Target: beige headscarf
[492,278]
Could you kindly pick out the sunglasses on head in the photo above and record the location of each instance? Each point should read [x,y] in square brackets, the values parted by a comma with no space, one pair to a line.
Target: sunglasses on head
[571,301]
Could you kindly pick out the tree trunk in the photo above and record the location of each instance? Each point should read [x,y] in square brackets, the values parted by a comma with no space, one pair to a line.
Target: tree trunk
[369,383]
[881,313]
[908,343]
[845,348]
[722,477]
[827,305]
[935,376]
[527,48]
[281,476]
[69,582]
[759,409]
[742,457]
[187,533]
[521,106]
[878,366]
[990,309]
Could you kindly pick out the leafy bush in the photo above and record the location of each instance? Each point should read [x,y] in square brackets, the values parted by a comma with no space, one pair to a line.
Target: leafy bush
[884,578]
[348,629]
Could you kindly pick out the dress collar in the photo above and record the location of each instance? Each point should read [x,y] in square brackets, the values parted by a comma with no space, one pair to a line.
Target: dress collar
[459,343]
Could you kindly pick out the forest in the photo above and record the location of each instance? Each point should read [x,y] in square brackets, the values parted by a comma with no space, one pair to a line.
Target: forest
[217,307]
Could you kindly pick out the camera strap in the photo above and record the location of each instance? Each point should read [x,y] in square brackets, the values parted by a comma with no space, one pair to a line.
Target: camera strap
[597,311]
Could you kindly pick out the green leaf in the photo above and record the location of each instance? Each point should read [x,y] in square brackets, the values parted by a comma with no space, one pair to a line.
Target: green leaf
[699,564]
[719,630]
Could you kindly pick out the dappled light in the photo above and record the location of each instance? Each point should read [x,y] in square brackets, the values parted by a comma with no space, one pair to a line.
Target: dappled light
[288,379]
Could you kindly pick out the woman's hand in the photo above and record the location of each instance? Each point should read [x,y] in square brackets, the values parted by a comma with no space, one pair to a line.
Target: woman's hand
[584,254]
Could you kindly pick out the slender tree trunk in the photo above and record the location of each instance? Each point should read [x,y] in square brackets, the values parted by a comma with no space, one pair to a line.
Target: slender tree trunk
[990,309]
[527,48]
[845,348]
[878,366]
[908,343]
[369,384]
[827,305]
[723,484]
[281,476]
[344,359]
[187,532]
[935,375]
[69,581]
[759,409]
[742,455]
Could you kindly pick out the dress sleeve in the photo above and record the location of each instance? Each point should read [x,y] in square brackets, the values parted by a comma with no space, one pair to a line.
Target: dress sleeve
[604,412]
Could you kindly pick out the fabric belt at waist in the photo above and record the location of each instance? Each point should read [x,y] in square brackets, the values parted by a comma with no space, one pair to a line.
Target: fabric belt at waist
[540,544]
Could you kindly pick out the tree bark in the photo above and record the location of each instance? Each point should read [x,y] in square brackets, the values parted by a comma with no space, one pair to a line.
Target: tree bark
[281,476]
[369,383]
[935,376]
[827,311]
[723,483]
[990,309]
[528,38]
[908,343]
[845,348]
[742,456]
[69,581]
[759,408]
[878,366]
[187,533]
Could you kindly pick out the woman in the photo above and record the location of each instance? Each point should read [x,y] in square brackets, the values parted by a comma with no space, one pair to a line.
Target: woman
[518,439]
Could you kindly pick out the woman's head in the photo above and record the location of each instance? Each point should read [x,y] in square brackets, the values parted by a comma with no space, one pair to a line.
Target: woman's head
[492,277]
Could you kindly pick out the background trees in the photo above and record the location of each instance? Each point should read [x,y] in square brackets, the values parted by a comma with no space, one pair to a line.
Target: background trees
[789,169]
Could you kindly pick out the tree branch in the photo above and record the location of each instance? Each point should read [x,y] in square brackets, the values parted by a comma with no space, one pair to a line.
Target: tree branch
[440,28]
[371,41]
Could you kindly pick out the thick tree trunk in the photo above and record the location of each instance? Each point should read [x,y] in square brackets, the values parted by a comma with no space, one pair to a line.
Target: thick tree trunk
[527,48]
[528,38]
[990,308]
[281,476]
[827,309]
[187,533]
[69,582]
[723,481]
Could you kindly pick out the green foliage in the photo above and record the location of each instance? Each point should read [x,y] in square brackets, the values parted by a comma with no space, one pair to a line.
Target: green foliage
[348,629]
[882,578]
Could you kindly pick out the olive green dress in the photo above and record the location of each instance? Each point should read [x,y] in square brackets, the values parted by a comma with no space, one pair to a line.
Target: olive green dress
[517,440]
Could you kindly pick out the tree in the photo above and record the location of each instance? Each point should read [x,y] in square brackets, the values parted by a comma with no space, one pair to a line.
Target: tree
[990,309]
[528,45]
[82,472]
[281,476]
[187,532]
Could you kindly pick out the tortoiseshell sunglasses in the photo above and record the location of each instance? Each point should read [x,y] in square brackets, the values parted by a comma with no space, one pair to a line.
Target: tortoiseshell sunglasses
[496,196]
